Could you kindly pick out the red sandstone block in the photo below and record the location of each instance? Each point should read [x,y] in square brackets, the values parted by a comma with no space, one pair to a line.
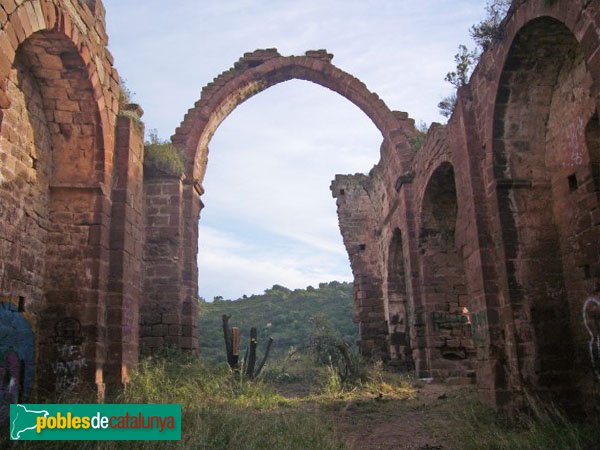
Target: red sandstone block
[4,102]
[67,105]
[150,317]
[160,330]
[170,319]
[11,35]
[172,340]
[39,13]
[187,330]
[153,342]
[6,46]
[188,342]
[8,5]
[63,117]
[95,233]
[172,188]
[5,63]
[49,74]
[32,17]
[15,21]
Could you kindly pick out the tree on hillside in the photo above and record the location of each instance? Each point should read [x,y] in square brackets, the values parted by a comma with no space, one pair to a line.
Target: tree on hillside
[280,313]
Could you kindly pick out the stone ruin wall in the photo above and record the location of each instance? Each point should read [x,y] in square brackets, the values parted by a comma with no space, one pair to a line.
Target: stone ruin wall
[498,216]
[70,189]
[476,257]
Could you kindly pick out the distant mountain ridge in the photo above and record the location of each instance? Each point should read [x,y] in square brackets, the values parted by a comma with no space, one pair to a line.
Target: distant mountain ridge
[283,314]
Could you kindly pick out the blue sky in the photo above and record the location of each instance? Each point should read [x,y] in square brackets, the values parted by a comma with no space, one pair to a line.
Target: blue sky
[269,217]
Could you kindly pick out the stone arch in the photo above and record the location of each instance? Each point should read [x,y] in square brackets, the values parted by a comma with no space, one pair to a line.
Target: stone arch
[177,238]
[450,350]
[544,163]
[55,120]
[257,71]
[398,307]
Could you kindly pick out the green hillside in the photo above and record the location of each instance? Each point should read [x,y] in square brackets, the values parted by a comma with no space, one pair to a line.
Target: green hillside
[280,313]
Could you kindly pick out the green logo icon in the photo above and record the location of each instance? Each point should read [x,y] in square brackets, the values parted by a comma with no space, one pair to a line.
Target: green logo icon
[95,422]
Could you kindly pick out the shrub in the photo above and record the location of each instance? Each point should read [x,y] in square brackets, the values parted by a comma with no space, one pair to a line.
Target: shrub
[420,134]
[330,349]
[447,105]
[485,33]
[125,94]
[490,29]
[162,156]
[465,61]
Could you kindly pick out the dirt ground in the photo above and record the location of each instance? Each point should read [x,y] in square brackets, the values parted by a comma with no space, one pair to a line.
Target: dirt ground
[421,423]
[431,420]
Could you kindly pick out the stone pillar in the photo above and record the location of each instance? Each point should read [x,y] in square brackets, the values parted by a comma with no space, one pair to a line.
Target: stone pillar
[189,306]
[491,314]
[357,220]
[163,261]
[73,337]
[126,238]
[416,319]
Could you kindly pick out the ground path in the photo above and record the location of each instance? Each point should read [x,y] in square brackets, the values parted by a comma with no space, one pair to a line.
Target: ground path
[430,420]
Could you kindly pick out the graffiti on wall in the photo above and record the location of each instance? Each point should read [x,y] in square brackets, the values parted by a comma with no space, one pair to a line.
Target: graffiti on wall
[69,360]
[591,321]
[17,351]
[444,320]
[479,328]
[400,341]
[576,133]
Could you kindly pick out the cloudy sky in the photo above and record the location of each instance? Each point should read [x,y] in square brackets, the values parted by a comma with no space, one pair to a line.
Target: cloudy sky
[269,217]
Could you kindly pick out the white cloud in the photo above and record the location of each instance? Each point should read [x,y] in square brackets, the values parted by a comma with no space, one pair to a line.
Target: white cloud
[234,266]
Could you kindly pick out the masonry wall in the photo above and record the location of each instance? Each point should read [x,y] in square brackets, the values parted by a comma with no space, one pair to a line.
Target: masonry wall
[162,261]
[476,256]
[502,206]
[58,106]
[359,227]
[126,248]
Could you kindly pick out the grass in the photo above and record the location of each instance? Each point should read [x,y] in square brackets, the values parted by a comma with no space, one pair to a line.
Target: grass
[325,384]
[221,409]
[162,156]
[542,427]
[377,384]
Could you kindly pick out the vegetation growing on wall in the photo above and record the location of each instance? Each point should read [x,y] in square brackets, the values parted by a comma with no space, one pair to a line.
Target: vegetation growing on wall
[484,33]
[125,94]
[421,132]
[163,156]
[490,29]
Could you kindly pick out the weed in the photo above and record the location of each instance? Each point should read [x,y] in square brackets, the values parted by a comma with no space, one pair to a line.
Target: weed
[162,156]
[543,426]
[219,410]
